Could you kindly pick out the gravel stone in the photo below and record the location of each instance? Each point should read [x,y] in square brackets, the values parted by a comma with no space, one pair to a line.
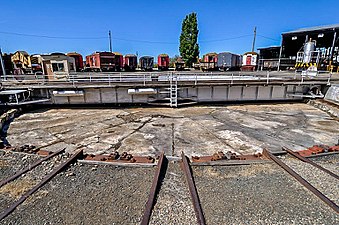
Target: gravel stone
[108,195]
[258,194]
[330,162]
[173,205]
[324,182]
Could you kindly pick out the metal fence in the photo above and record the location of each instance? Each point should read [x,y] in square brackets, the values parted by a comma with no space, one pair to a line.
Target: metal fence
[151,77]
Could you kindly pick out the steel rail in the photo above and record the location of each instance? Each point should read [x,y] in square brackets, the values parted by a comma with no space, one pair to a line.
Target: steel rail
[153,192]
[298,156]
[29,167]
[302,181]
[40,184]
[193,191]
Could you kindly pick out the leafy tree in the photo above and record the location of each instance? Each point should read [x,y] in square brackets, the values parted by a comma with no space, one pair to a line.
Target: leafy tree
[189,48]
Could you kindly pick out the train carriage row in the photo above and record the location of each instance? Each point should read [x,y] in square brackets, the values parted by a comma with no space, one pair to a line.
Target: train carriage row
[58,63]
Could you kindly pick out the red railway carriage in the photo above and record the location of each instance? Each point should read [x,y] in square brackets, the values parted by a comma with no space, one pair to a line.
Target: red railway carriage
[130,62]
[209,61]
[119,61]
[163,62]
[210,57]
[101,61]
[79,63]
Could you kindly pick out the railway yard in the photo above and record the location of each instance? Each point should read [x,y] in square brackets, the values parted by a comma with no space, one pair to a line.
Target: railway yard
[107,137]
[94,187]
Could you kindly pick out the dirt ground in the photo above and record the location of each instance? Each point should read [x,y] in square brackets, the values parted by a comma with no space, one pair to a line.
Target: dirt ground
[197,130]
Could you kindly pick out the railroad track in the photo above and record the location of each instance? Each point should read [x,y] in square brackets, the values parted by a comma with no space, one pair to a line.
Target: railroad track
[311,177]
[46,179]
[201,194]
[197,205]
[156,185]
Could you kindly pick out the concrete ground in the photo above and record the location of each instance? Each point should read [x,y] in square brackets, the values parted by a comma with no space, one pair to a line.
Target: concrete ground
[196,130]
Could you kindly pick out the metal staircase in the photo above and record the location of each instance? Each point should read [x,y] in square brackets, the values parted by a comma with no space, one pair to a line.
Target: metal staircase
[173,90]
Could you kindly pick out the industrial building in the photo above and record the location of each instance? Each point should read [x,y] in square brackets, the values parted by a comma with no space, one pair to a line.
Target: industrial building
[302,49]
[306,47]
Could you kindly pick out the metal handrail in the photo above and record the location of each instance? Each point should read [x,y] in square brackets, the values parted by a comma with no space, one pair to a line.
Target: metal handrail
[139,77]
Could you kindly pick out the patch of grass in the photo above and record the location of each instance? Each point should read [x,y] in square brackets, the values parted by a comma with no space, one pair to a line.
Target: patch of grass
[15,189]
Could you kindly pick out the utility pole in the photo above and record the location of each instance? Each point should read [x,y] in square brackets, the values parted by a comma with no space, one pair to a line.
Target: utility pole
[255,35]
[110,41]
[2,65]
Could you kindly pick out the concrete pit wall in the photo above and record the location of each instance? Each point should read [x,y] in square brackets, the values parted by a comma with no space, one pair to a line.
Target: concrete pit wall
[116,95]
[332,93]
[5,119]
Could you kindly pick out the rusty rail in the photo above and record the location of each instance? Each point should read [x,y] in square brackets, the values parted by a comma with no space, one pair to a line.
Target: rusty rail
[153,192]
[302,181]
[40,184]
[296,155]
[28,168]
[193,191]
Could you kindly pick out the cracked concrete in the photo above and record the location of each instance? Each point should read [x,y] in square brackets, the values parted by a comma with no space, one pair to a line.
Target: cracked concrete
[199,130]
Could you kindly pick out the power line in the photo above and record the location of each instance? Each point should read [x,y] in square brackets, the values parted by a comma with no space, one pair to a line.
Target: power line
[267,37]
[225,39]
[85,38]
[52,37]
[144,41]
[130,40]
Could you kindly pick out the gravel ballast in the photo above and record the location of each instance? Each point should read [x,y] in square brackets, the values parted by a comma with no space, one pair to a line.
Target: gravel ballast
[258,194]
[87,194]
[330,162]
[11,162]
[173,205]
[324,182]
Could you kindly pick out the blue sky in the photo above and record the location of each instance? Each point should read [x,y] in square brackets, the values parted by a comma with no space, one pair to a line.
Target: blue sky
[153,27]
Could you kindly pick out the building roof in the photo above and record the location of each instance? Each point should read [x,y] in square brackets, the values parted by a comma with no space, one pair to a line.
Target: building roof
[269,47]
[317,28]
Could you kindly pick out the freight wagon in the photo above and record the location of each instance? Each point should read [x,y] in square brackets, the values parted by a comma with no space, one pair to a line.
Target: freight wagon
[163,62]
[79,63]
[228,61]
[179,64]
[209,62]
[130,62]
[146,63]
[249,61]
[101,61]
[118,61]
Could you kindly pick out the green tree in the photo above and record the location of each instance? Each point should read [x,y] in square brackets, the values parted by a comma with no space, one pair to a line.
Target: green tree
[189,48]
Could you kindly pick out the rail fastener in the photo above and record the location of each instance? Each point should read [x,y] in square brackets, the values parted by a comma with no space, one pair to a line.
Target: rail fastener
[11,208]
[302,181]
